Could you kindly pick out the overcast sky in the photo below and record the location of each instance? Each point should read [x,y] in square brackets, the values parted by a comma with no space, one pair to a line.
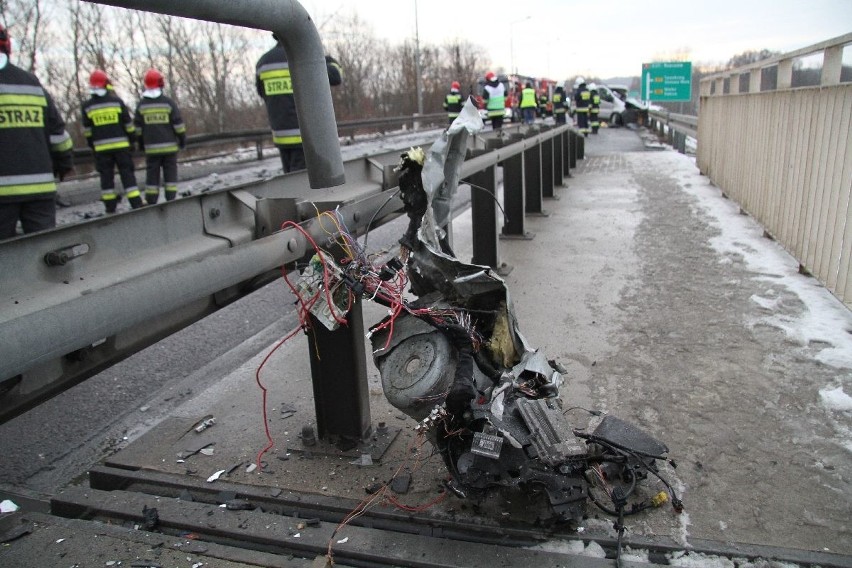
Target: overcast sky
[563,38]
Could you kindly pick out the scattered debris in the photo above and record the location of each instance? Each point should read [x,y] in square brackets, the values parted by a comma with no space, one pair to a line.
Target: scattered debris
[231,469]
[401,483]
[215,476]
[313,522]
[364,459]
[207,451]
[150,518]
[287,410]
[251,467]
[275,492]
[307,435]
[194,449]
[239,505]
[205,424]
[144,409]
[374,488]
[7,506]
[343,540]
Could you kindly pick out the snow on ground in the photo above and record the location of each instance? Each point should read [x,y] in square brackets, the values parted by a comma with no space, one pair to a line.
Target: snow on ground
[823,325]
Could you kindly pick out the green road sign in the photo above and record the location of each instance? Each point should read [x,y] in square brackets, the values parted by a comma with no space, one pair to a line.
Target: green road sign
[670,81]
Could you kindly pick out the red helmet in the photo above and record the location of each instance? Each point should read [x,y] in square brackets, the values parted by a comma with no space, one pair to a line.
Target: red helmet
[5,41]
[490,76]
[455,85]
[153,79]
[98,79]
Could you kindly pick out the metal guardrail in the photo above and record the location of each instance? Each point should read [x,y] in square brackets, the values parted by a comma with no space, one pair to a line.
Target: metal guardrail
[262,138]
[84,296]
[674,127]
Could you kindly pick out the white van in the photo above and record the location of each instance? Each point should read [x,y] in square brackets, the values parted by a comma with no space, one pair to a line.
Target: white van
[612,106]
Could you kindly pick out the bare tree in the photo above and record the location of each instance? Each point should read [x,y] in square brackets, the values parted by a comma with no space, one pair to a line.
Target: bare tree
[26,20]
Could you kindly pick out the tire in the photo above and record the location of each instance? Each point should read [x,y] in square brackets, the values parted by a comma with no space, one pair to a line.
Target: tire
[615,119]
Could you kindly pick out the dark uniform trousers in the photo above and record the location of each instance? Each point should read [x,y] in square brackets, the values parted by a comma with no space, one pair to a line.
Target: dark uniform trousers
[106,162]
[154,163]
[35,215]
[292,158]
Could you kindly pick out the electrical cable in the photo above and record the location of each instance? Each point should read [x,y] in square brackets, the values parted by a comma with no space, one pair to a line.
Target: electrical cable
[494,197]
[270,443]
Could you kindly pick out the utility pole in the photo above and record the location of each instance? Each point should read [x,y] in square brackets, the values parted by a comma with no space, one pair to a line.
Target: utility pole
[419,78]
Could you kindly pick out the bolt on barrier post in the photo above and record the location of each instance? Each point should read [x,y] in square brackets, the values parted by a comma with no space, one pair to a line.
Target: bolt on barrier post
[532,176]
[513,193]
[339,375]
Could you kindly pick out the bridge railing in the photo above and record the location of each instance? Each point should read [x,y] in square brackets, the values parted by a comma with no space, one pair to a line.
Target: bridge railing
[784,153]
[674,128]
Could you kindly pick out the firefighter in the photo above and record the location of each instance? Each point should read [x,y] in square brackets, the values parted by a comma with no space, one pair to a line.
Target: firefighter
[109,131]
[35,148]
[494,95]
[453,101]
[275,87]
[559,103]
[161,134]
[594,109]
[543,100]
[528,104]
[582,100]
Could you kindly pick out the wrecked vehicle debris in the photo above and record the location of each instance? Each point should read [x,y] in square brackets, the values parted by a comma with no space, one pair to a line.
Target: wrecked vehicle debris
[454,359]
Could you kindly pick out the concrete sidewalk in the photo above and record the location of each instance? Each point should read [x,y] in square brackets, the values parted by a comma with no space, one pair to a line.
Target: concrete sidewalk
[669,310]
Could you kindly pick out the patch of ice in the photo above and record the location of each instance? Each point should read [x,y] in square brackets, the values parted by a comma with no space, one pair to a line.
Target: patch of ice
[835,399]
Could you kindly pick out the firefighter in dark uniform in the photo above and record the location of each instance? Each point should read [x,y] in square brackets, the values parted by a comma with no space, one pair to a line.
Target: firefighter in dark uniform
[453,102]
[161,134]
[542,103]
[595,109]
[109,131]
[582,101]
[559,107]
[34,147]
[275,87]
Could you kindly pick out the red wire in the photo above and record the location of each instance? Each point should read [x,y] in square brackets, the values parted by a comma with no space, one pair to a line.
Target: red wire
[270,443]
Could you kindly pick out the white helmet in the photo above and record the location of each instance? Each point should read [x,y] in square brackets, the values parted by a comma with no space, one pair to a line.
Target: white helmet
[592,87]
[578,81]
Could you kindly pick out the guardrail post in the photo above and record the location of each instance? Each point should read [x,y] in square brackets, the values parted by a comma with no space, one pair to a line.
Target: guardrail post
[339,375]
[532,176]
[567,153]
[572,148]
[514,198]
[259,145]
[484,213]
[558,161]
[580,150]
[547,165]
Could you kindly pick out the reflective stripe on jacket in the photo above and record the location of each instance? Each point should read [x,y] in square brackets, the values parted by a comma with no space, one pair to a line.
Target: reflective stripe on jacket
[32,137]
[528,98]
[495,97]
[107,124]
[275,87]
[160,125]
[453,104]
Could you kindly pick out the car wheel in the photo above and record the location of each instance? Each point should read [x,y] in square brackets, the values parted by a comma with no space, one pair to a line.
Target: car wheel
[615,119]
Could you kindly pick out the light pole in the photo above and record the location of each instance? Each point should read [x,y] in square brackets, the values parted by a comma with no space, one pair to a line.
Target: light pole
[418,79]
[512,43]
